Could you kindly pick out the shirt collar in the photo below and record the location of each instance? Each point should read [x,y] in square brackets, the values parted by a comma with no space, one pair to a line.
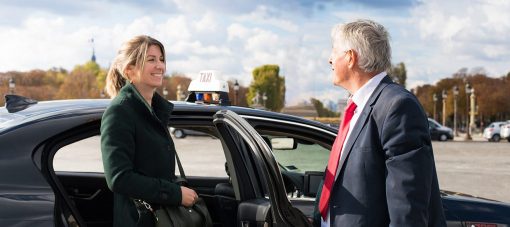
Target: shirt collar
[360,97]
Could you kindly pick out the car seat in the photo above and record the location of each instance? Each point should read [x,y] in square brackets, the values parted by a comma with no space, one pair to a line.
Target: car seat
[226,203]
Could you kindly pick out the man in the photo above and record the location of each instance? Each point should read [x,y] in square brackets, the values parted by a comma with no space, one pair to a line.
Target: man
[381,170]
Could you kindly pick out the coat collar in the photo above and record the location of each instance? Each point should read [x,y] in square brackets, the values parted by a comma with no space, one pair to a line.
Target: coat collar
[362,120]
[160,109]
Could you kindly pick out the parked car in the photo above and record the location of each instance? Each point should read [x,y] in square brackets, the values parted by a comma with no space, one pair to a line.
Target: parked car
[493,131]
[439,132]
[505,132]
[274,165]
[182,132]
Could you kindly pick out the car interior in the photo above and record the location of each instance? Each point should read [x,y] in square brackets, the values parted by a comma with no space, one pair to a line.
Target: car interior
[84,199]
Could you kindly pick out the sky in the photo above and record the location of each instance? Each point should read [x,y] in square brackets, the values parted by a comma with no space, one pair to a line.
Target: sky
[433,38]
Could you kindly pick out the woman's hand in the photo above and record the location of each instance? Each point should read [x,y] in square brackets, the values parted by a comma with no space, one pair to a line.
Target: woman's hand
[189,196]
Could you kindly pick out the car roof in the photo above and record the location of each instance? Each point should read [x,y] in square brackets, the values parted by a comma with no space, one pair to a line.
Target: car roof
[44,109]
[48,108]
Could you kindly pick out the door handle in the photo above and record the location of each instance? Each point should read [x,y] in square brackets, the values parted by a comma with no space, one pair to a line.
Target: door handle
[76,194]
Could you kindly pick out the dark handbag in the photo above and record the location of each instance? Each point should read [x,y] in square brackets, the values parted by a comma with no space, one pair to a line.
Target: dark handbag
[177,216]
[195,216]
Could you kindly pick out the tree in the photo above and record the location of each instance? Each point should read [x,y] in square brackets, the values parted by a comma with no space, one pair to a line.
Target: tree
[241,93]
[85,81]
[398,73]
[268,82]
[171,83]
[321,110]
[491,97]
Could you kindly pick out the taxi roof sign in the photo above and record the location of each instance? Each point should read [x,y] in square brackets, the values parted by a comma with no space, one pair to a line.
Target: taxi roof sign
[208,81]
[208,89]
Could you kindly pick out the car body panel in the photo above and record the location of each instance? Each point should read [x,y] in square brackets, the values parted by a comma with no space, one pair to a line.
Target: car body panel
[31,194]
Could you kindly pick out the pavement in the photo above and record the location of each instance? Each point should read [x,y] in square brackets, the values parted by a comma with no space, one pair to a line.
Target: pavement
[474,137]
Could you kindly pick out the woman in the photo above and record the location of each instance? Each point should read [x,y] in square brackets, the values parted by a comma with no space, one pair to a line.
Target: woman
[138,153]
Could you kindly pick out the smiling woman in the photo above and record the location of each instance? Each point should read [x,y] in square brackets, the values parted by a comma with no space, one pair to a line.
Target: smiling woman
[138,153]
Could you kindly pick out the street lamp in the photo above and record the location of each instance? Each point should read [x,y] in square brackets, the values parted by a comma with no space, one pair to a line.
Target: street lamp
[264,98]
[468,93]
[444,96]
[455,95]
[12,85]
[434,97]
[236,92]
[472,112]
[165,92]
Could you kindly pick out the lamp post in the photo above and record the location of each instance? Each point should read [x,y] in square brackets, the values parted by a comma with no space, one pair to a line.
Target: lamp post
[472,111]
[165,92]
[236,92]
[468,93]
[434,97]
[455,95]
[264,98]
[444,96]
[12,85]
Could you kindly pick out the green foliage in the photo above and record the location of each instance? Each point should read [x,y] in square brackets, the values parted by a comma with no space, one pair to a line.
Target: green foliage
[84,81]
[266,80]
[321,110]
[398,73]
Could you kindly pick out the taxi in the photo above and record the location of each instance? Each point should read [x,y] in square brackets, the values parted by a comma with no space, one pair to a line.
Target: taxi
[262,168]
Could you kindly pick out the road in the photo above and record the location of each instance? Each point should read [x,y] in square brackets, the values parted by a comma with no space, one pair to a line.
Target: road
[478,167]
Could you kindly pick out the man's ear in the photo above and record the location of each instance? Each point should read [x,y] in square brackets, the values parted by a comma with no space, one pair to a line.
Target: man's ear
[353,58]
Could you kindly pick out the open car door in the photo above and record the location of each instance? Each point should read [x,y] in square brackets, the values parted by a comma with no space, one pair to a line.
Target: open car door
[256,176]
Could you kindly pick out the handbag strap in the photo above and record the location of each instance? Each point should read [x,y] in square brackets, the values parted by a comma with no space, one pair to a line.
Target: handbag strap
[181,170]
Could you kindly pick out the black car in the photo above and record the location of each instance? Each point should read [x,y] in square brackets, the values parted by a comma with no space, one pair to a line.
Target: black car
[263,168]
[182,132]
[439,132]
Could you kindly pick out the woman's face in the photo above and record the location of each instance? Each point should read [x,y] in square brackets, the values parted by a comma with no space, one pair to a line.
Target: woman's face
[151,76]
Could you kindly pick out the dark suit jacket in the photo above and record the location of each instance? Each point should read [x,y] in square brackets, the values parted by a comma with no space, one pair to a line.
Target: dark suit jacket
[387,175]
[138,155]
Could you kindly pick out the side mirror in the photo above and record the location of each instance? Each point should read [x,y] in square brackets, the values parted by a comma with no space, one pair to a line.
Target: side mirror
[312,182]
[283,143]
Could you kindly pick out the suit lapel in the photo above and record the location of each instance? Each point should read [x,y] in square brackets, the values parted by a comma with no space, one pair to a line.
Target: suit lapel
[362,120]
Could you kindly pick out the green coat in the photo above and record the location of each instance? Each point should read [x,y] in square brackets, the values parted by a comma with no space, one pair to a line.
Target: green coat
[138,155]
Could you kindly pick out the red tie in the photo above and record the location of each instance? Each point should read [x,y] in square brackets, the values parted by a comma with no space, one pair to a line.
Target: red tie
[334,158]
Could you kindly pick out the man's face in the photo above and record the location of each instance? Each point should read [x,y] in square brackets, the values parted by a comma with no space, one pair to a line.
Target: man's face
[339,60]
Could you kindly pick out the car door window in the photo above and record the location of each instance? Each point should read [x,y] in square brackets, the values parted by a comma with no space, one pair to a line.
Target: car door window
[200,155]
[81,156]
[296,156]
[305,156]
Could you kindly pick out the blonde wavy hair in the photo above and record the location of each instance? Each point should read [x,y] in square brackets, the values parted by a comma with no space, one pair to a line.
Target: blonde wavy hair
[133,52]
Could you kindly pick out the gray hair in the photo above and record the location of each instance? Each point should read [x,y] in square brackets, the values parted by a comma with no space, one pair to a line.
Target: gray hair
[369,40]
[133,52]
